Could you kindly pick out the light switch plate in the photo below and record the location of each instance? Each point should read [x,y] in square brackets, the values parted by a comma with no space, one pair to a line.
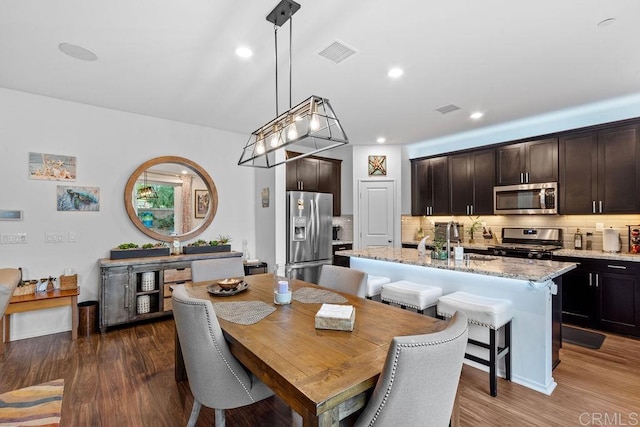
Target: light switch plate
[599,226]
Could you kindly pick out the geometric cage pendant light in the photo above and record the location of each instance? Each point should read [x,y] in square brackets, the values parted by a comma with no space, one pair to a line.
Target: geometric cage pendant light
[308,128]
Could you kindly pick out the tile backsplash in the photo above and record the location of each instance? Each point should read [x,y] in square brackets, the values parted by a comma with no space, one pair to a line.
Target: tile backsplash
[568,224]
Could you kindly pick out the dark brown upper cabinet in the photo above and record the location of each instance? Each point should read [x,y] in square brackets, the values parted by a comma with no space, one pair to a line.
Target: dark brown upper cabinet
[316,174]
[472,178]
[600,171]
[528,162]
[430,186]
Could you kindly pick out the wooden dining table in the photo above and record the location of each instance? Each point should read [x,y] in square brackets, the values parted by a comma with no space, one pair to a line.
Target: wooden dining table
[324,375]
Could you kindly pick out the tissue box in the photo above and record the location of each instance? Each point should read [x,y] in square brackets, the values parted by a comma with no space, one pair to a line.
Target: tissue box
[336,317]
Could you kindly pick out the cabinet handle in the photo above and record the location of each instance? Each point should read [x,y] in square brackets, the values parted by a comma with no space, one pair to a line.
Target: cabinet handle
[526,177]
[600,203]
[590,279]
[521,178]
[597,279]
[471,209]
[126,295]
[594,206]
[619,267]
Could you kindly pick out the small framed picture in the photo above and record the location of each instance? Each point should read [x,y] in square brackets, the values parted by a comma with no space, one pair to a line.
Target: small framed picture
[377,165]
[201,202]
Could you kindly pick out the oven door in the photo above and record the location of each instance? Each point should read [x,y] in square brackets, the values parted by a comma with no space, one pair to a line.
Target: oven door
[526,199]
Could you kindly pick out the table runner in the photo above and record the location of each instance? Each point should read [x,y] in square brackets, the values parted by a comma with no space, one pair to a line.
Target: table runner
[320,296]
[243,312]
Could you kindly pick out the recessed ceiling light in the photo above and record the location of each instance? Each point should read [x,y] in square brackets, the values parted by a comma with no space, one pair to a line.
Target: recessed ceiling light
[381,140]
[77,52]
[606,22]
[395,73]
[244,52]
[476,115]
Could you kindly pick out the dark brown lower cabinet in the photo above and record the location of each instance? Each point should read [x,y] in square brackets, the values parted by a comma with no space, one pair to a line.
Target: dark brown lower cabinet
[602,295]
[343,261]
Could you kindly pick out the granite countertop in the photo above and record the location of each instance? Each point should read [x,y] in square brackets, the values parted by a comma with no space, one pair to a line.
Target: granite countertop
[511,268]
[615,256]
[342,242]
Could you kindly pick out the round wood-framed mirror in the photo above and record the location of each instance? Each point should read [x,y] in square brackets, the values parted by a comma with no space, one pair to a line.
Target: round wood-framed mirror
[180,200]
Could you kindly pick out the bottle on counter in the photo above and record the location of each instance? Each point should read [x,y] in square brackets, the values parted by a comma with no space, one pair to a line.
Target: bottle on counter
[589,241]
[577,240]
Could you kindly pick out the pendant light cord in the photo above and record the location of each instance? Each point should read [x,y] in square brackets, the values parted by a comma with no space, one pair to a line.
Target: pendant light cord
[275,37]
[290,60]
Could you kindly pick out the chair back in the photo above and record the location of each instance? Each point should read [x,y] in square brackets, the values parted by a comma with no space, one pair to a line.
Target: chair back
[419,381]
[216,378]
[216,268]
[9,279]
[344,279]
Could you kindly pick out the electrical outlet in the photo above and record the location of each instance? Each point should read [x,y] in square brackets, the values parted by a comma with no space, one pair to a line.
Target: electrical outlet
[73,237]
[599,226]
[21,238]
[53,237]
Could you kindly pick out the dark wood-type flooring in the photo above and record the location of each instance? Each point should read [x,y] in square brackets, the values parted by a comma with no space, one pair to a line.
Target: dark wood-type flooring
[125,378]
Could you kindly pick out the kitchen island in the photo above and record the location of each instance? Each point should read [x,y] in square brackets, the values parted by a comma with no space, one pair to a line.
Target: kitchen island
[531,285]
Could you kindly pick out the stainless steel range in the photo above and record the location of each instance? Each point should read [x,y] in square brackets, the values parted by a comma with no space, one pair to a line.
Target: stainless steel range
[537,243]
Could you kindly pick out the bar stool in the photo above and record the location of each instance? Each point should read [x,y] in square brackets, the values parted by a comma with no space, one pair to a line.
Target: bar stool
[410,294]
[374,285]
[492,313]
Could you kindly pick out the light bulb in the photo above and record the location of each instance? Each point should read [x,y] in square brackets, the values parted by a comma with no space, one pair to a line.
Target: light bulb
[314,122]
[292,132]
[260,147]
[274,140]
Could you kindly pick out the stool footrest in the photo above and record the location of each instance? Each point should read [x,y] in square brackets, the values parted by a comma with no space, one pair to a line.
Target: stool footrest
[501,350]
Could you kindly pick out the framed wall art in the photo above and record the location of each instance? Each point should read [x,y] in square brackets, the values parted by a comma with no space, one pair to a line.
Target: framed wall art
[201,199]
[85,199]
[52,167]
[377,165]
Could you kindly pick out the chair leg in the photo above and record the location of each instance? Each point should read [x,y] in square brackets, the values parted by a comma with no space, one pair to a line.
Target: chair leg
[493,357]
[507,344]
[220,417]
[195,411]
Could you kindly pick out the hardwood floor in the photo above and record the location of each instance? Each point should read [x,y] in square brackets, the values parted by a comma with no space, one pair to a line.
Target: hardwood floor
[125,378]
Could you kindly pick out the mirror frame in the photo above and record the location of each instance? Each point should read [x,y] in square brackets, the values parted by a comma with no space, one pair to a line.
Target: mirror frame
[211,187]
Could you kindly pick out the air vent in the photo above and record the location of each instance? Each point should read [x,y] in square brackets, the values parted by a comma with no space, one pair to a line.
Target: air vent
[447,108]
[337,52]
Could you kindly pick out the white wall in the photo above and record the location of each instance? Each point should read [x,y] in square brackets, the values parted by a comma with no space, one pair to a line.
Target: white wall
[108,145]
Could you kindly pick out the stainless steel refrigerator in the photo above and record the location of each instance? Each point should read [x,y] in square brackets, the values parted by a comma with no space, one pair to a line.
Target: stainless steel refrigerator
[309,234]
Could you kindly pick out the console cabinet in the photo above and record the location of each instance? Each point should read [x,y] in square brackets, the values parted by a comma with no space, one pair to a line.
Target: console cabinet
[139,288]
[602,295]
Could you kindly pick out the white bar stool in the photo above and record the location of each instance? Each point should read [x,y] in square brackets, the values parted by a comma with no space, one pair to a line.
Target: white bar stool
[410,294]
[492,313]
[374,285]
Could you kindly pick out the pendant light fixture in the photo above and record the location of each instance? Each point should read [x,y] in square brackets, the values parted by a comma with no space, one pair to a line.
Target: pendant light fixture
[308,128]
[147,192]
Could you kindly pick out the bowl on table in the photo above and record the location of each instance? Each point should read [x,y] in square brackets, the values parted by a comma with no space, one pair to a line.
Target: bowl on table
[229,284]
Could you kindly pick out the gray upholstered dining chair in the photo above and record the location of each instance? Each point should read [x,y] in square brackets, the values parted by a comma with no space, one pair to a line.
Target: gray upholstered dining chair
[216,268]
[217,380]
[343,279]
[419,381]
[9,279]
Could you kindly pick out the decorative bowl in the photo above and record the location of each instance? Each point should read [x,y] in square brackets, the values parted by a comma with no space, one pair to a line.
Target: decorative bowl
[229,284]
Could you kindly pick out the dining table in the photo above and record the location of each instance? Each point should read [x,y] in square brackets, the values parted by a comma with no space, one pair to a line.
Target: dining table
[324,375]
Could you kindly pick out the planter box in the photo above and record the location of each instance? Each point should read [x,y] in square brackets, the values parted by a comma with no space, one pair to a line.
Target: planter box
[139,253]
[205,249]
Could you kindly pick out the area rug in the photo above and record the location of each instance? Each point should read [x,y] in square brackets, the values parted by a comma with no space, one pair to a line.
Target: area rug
[581,337]
[38,405]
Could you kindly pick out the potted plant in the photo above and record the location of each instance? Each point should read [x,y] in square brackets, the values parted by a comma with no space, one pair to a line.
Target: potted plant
[438,252]
[133,250]
[475,225]
[201,246]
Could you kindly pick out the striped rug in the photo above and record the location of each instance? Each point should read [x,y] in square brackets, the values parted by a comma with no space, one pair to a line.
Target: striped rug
[39,405]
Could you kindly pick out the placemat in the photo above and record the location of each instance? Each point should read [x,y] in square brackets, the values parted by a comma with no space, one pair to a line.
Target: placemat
[321,296]
[243,312]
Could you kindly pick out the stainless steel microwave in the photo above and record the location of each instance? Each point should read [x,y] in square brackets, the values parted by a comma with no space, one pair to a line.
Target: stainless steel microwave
[526,199]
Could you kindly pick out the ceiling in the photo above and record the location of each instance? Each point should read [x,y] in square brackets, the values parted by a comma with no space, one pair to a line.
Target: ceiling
[176,60]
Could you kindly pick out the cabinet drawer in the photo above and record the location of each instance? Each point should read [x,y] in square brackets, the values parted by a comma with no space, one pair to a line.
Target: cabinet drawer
[173,275]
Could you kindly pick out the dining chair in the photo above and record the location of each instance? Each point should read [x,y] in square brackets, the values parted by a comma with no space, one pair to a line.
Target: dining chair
[343,279]
[419,380]
[216,268]
[216,378]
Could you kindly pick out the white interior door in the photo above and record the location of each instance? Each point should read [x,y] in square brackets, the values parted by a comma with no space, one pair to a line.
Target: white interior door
[377,213]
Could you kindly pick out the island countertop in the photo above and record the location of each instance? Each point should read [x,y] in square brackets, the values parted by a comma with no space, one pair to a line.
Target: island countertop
[512,268]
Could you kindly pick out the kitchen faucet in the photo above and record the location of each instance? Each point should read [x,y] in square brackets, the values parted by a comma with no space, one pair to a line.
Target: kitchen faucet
[456,234]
